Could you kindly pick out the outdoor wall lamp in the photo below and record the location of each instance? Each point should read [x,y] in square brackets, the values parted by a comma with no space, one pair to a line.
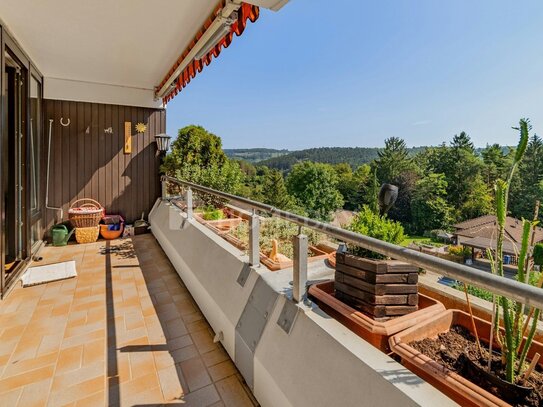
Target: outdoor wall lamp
[387,196]
[162,142]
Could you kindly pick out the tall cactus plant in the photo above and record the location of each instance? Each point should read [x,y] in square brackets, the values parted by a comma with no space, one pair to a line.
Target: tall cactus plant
[512,312]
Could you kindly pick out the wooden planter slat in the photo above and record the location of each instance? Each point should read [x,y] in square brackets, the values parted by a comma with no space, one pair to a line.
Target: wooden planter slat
[382,288]
[376,266]
[385,278]
[372,299]
[377,289]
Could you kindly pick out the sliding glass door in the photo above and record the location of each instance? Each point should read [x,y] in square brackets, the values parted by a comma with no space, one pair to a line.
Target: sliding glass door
[20,161]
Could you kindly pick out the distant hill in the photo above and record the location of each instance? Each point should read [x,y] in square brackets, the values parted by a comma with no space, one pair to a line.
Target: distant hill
[354,156]
[254,155]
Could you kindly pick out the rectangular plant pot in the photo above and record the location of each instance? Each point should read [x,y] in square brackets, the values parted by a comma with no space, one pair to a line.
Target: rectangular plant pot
[220,226]
[450,383]
[382,288]
[373,331]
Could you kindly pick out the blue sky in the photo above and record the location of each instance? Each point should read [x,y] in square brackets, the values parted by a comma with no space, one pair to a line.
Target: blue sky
[352,73]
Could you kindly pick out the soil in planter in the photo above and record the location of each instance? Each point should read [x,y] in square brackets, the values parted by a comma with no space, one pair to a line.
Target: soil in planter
[448,349]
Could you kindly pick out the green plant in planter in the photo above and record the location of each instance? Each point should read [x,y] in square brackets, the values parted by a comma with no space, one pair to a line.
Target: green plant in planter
[513,312]
[211,213]
[369,223]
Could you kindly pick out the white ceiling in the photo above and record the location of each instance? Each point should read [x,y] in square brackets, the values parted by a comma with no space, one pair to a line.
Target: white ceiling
[120,42]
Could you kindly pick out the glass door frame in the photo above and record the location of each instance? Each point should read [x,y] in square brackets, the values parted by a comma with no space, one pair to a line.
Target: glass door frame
[29,70]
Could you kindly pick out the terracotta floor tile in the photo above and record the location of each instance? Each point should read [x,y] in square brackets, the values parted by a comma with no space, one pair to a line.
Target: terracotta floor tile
[35,394]
[70,359]
[23,379]
[16,367]
[183,354]
[11,397]
[141,363]
[222,370]
[172,383]
[178,343]
[195,374]
[94,351]
[94,400]
[216,356]
[232,393]
[203,397]
[203,341]
[140,339]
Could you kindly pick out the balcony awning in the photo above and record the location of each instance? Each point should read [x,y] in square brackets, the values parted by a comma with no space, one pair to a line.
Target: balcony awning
[247,12]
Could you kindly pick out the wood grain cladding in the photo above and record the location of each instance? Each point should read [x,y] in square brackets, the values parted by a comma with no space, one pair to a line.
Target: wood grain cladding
[88,157]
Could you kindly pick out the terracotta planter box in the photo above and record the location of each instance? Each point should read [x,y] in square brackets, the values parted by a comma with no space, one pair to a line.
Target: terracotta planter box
[373,331]
[382,288]
[452,384]
[220,226]
[272,265]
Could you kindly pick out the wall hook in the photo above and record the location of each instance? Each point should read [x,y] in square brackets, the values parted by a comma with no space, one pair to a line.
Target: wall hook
[62,122]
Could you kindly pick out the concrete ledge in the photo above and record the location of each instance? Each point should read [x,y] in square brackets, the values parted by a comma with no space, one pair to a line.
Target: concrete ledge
[319,363]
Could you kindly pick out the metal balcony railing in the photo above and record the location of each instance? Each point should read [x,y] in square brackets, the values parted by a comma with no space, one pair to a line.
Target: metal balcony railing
[511,289]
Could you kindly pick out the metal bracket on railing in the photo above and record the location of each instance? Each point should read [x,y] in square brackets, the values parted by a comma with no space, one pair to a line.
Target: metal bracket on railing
[299,267]
[188,199]
[254,240]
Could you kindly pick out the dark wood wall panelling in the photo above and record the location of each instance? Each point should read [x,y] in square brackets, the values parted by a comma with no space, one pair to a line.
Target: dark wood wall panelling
[89,162]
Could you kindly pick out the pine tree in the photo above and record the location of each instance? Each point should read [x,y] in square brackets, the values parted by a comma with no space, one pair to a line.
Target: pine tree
[275,192]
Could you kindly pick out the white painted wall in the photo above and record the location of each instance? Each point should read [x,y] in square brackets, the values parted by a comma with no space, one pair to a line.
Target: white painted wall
[320,363]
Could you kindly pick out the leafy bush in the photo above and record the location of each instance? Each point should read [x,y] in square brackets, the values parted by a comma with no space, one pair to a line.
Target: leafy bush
[368,223]
[475,291]
[538,254]
[211,213]
[459,251]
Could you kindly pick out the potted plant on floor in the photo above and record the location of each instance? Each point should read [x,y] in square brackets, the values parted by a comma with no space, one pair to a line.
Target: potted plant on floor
[372,295]
[446,352]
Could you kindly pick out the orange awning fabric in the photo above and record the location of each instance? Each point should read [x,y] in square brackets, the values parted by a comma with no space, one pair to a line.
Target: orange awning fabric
[247,12]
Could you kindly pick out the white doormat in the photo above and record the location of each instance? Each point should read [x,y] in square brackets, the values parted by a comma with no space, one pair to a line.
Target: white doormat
[46,274]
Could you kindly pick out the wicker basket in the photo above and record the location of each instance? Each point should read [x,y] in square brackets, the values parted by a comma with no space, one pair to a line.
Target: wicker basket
[87,235]
[85,215]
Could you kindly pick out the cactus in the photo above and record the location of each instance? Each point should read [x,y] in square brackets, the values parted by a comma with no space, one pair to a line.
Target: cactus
[512,312]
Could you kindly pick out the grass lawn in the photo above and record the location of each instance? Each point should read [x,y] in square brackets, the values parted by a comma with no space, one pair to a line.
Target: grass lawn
[421,240]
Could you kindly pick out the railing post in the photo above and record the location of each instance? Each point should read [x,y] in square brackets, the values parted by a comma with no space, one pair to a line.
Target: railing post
[300,267]
[254,239]
[164,189]
[188,200]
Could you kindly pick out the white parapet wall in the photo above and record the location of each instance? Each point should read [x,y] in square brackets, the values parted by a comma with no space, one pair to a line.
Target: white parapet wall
[316,362]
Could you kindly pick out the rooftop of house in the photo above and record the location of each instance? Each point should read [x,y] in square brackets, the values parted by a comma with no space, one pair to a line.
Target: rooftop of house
[485,227]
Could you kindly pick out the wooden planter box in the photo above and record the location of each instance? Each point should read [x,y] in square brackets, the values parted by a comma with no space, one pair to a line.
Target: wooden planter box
[381,288]
[452,384]
[373,331]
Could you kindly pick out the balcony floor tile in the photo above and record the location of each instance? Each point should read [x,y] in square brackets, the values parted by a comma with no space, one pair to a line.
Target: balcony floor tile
[125,331]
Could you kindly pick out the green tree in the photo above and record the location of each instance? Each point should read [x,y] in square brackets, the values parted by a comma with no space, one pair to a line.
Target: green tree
[496,163]
[429,208]
[351,184]
[275,192]
[459,165]
[197,156]
[401,211]
[314,186]
[478,200]
[196,146]
[393,160]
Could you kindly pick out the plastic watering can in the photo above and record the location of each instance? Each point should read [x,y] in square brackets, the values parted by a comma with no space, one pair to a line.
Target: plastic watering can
[61,235]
